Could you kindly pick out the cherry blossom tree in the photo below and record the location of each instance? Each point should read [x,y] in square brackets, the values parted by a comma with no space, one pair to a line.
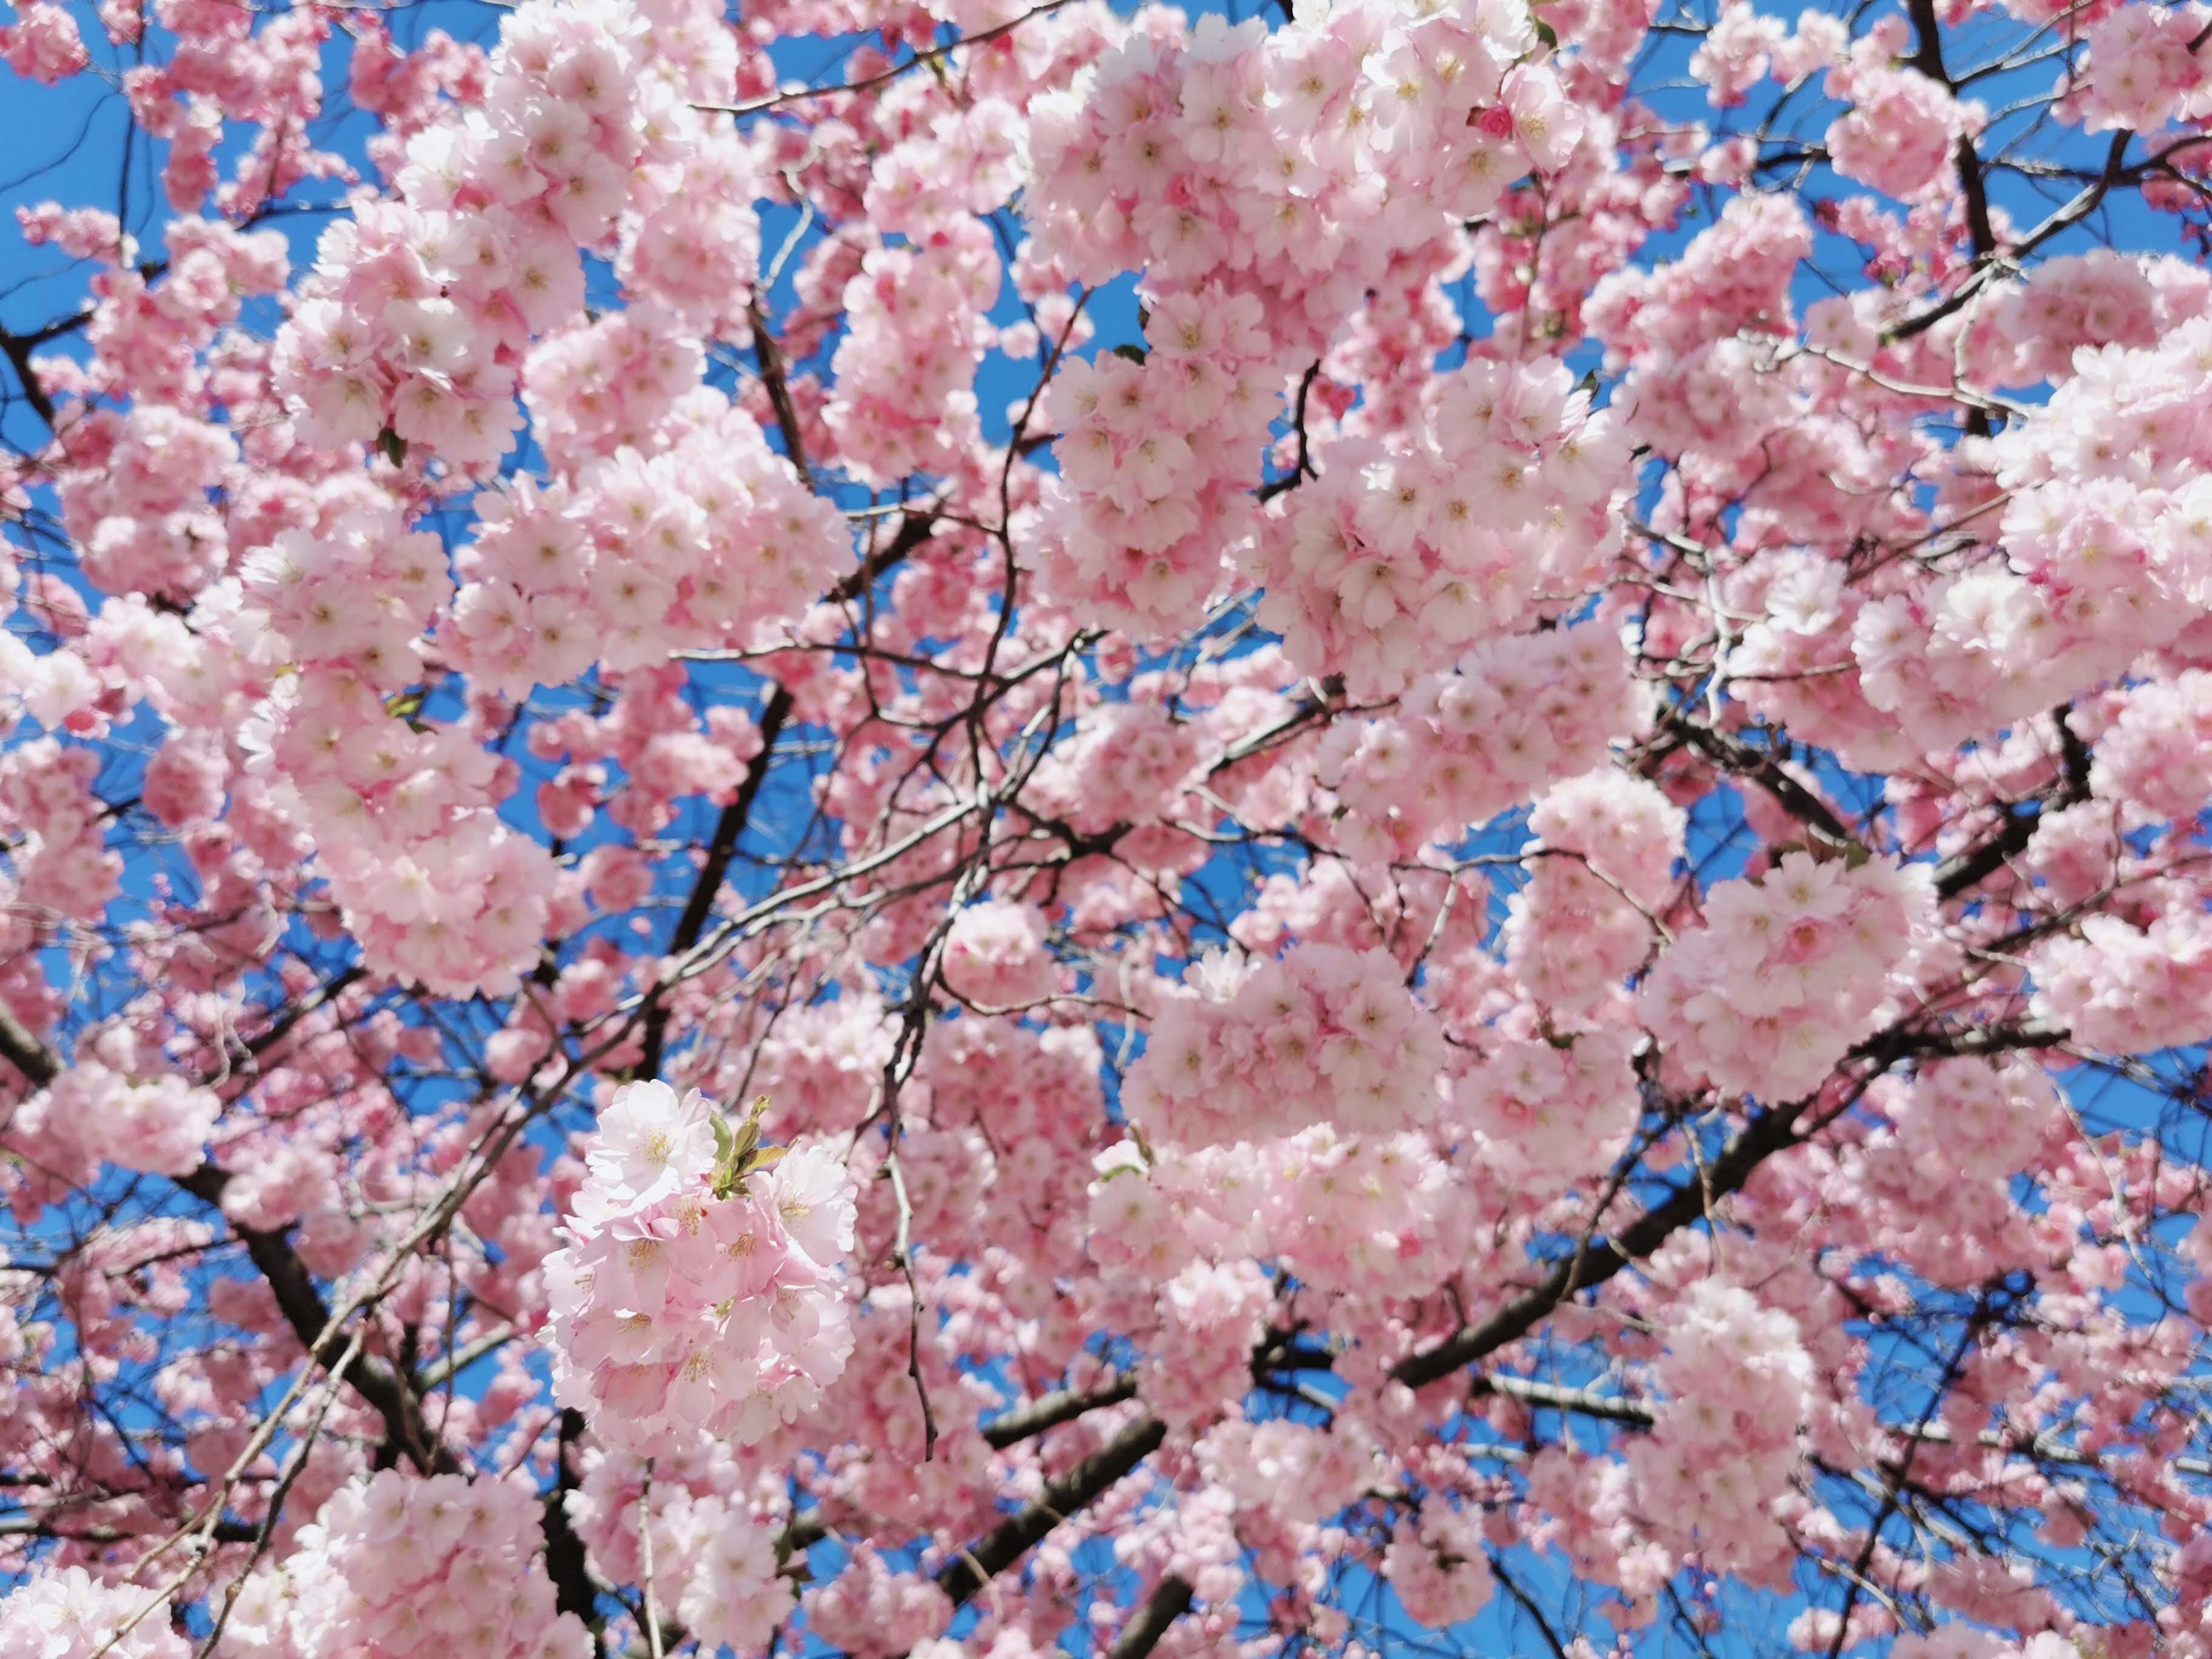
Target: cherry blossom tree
[927,829]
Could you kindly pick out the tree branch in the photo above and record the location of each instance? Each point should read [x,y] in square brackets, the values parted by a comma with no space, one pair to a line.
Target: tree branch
[729,830]
[381,1387]
[1770,1132]
[25,1052]
[1014,1537]
[1171,1599]
[1049,1410]
[1969,870]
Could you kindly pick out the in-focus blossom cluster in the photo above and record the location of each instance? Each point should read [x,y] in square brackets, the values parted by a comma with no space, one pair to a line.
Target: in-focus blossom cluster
[702,1288]
[1245,173]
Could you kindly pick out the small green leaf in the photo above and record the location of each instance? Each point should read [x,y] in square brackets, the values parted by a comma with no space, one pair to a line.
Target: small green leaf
[391,446]
[1547,34]
[1135,354]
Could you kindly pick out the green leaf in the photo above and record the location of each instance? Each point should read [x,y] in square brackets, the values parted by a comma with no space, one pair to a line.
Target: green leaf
[1547,34]
[391,446]
[1135,354]
[737,1154]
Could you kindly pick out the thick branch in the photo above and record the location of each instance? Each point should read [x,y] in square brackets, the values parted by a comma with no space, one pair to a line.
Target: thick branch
[25,1052]
[1015,1536]
[1551,1397]
[769,350]
[1171,1599]
[1969,869]
[1741,760]
[565,1564]
[1928,59]
[729,830]
[31,1525]
[1048,1411]
[1765,1135]
[2072,213]
[383,1389]
[1768,1132]
[914,530]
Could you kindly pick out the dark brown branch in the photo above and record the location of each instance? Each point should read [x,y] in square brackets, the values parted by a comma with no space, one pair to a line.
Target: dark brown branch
[2072,213]
[1771,1131]
[1171,1599]
[1299,473]
[565,1563]
[1928,59]
[1048,1411]
[1015,1536]
[1741,760]
[769,350]
[31,1525]
[25,1052]
[914,530]
[729,830]
[381,1387]
[1969,869]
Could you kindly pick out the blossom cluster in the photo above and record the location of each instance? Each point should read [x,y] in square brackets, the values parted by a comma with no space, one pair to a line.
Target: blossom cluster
[1258,159]
[403,1565]
[1980,1120]
[424,304]
[2106,551]
[1405,552]
[1437,1566]
[1240,172]
[1584,923]
[61,861]
[1788,971]
[1154,457]
[1463,746]
[702,543]
[2155,760]
[1896,134]
[2126,988]
[995,955]
[2143,70]
[905,401]
[1322,1035]
[1553,1106]
[1723,1446]
[699,1289]
[156,1122]
[1347,1214]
